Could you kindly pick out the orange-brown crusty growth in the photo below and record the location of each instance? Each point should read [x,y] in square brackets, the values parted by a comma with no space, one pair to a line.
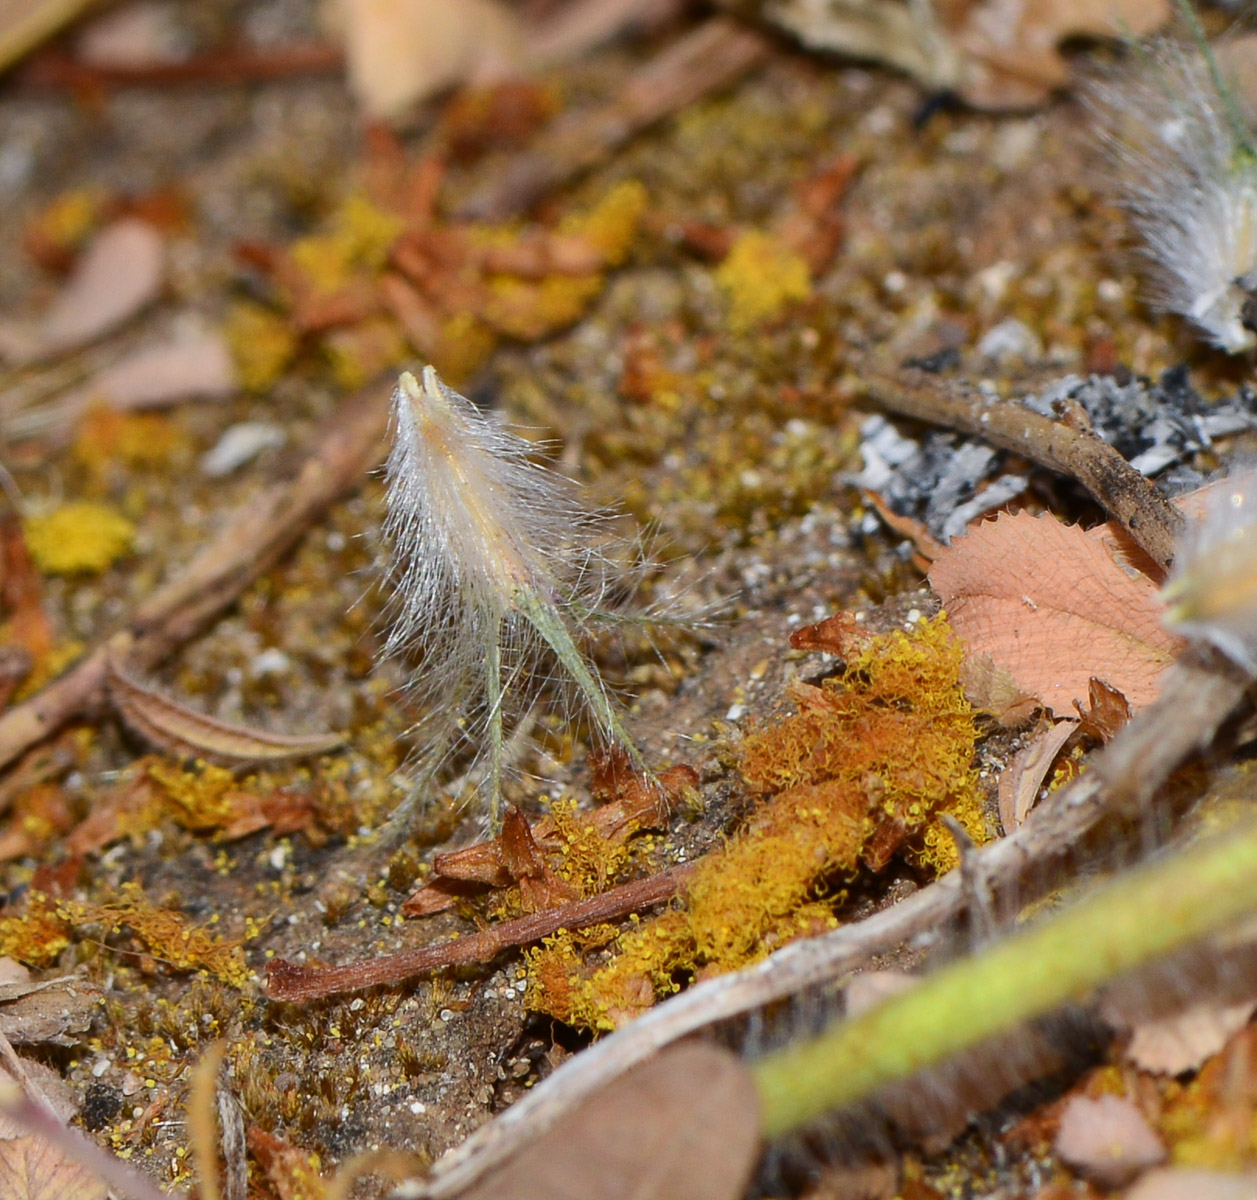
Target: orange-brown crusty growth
[864,770]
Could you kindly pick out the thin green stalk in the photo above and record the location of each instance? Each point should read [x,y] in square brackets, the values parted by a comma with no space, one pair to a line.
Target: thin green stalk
[550,624]
[1136,920]
[493,686]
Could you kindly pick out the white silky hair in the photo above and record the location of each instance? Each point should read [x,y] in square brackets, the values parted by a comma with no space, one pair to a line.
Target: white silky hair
[1185,169]
[1211,593]
[497,572]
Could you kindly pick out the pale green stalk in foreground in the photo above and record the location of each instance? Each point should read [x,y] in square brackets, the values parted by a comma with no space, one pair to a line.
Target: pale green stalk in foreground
[497,574]
[1130,923]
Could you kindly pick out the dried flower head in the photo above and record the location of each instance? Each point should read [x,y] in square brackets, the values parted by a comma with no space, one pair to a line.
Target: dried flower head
[1185,160]
[1212,592]
[497,575]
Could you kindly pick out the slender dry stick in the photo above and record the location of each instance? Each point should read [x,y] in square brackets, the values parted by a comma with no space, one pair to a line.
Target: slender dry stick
[291,982]
[346,446]
[709,58]
[1068,446]
[1188,716]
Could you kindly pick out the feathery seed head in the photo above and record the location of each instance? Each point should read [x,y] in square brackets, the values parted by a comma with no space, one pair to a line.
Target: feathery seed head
[496,575]
[1186,171]
[1212,591]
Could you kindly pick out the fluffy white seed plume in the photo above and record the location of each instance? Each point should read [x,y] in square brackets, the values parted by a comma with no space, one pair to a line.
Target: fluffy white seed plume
[1212,591]
[496,578]
[1185,162]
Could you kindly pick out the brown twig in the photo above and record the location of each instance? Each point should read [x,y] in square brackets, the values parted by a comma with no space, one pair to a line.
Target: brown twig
[1068,446]
[297,984]
[254,540]
[999,869]
[707,59]
[231,64]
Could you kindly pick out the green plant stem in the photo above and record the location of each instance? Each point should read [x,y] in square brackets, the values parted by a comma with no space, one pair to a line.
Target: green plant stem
[1153,911]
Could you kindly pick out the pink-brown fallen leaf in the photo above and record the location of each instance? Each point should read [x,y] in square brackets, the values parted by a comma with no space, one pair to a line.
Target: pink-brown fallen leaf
[120,273]
[34,1169]
[684,1123]
[193,365]
[1052,606]
[402,51]
[1012,46]
[1108,1140]
[1183,1040]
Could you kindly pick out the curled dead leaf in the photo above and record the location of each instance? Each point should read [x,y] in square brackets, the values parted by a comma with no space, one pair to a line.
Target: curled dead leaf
[120,273]
[180,730]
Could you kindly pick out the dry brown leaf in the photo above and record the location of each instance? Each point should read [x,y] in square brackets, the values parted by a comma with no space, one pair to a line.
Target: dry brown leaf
[179,730]
[1011,47]
[684,1123]
[1023,777]
[46,1084]
[34,1169]
[402,51]
[46,1011]
[993,691]
[1193,1183]
[1107,715]
[1184,1040]
[193,365]
[26,23]
[995,54]
[1053,607]
[120,273]
[1108,1140]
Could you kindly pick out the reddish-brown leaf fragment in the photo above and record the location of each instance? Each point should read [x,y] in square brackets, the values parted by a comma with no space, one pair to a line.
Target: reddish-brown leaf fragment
[1108,713]
[841,635]
[684,1123]
[179,730]
[1051,605]
[121,272]
[32,1168]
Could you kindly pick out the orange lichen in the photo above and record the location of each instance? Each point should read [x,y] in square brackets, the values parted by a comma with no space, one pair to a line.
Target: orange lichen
[164,933]
[863,771]
[106,439]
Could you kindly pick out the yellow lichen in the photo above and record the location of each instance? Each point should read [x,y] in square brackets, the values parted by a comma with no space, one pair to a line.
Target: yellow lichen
[78,538]
[612,224]
[529,310]
[761,276]
[36,933]
[262,344]
[863,771]
[199,799]
[360,238]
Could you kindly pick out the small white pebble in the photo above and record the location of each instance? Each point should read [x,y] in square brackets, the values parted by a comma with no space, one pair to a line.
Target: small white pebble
[914,616]
[417,1108]
[270,662]
[240,444]
[735,712]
